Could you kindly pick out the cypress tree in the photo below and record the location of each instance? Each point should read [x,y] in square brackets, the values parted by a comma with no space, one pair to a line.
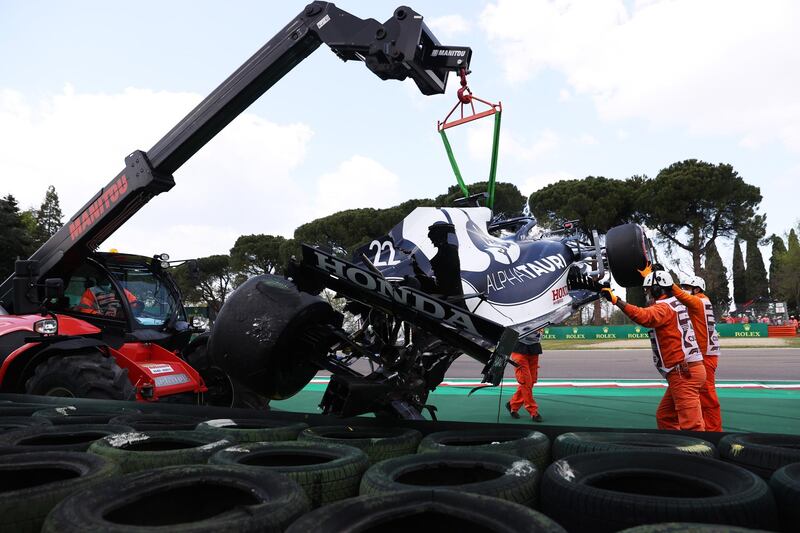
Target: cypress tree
[716,276]
[756,284]
[778,254]
[739,289]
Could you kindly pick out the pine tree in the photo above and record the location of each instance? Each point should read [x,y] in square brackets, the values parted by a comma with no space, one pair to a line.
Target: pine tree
[716,277]
[48,217]
[756,284]
[739,289]
[794,243]
[15,240]
[778,253]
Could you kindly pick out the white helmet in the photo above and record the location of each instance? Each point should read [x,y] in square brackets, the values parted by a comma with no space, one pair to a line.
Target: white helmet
[659,277]
[694,281]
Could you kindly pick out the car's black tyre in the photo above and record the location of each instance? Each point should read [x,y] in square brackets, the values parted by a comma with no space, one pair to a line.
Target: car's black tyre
[136,451]
[33,483]
[568,444]
[158,422]
[264,336]
[253,429]
[525,443]
[688,527]
[785,485]
[73,438]
[609,491]
[70,414]
[88,375]
[197,498]
[762,453]
[223,390]
[10,423]
[627,249]
[327,472]
[425,510]
[378,443]
[490,474]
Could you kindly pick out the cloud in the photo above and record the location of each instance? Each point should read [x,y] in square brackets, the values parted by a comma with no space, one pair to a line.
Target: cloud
[512,145]
[713,66]
[448,26]
[357,182]
[534,183]
[77,142]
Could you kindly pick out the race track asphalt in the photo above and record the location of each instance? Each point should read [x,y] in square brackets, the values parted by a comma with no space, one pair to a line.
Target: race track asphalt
[735,364]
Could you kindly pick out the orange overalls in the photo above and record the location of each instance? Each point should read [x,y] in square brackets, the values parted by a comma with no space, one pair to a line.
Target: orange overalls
[527,373]
[702,314]
[678,358]
[97,302]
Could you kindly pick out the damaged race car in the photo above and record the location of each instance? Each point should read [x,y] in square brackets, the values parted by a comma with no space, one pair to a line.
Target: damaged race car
[444,282]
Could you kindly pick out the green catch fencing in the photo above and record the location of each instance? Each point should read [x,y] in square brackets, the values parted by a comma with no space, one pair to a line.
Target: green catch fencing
[638,332]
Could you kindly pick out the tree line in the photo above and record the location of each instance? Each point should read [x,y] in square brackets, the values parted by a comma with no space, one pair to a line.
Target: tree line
[692,206]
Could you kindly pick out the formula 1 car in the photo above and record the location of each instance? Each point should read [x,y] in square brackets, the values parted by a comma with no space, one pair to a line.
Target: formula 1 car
[444,282]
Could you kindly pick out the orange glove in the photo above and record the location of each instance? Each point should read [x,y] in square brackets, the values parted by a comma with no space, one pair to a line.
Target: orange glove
[646,270]
[609,295]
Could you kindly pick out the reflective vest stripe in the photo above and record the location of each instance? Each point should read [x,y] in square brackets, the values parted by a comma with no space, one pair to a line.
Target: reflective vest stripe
[689,347]
[713,348]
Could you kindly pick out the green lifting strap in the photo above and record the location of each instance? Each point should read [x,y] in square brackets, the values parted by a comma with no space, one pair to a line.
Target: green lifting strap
[492,167]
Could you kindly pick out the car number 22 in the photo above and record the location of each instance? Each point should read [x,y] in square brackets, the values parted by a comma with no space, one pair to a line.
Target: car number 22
[380,248]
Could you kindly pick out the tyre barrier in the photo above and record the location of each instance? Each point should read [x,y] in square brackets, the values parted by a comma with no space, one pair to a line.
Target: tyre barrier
[486,473]
[136,451]
[74,437]
[21,409]
[326,472]
[33,483]
[524,443]
[70,414]
[568,444]
[425,510]
[158,422]
[762,453]
[253,429]
[609,491]
[785,485]
[8,423]
[378,443]
[688,527]
[230,498]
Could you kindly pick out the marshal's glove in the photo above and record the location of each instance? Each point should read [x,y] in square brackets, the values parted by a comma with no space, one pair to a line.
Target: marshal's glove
[608,294]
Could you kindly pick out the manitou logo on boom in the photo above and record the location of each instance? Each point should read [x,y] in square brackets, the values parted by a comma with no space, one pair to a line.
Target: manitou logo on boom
[109,197]
[402,295]
[437,52]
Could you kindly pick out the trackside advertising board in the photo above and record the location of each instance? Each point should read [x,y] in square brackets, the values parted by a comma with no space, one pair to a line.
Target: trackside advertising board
[638,332]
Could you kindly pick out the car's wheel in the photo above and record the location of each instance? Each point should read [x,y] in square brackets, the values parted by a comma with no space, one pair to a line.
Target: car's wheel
[270,336]
[91,374]
[609,491]
[193,498]
[628,251]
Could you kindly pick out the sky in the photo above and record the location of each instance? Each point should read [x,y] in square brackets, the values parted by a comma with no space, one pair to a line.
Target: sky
[595,87]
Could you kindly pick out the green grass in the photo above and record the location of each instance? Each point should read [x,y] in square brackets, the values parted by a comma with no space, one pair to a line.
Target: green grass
[583,344]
